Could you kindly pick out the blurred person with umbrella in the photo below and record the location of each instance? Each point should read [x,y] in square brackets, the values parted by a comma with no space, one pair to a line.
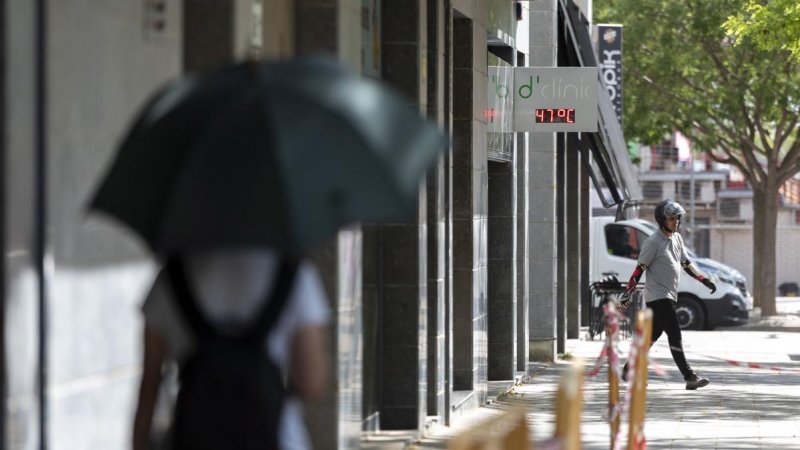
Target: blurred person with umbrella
[231,177]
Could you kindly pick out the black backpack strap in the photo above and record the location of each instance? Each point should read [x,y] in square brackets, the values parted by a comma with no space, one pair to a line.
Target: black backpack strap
[272,309]
[186,301]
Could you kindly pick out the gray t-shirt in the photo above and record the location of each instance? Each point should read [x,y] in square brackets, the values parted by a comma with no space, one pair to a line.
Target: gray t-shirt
[663,256]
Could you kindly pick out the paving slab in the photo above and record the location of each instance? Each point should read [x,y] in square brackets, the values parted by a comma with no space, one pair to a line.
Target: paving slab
[741,408]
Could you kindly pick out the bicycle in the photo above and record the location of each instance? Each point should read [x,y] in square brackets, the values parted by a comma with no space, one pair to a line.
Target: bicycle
[604,291]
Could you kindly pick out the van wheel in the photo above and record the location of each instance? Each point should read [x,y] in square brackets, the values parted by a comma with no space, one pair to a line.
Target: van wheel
[690,314]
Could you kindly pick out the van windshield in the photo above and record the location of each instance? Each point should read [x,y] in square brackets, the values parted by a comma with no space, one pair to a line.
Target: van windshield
[624,240]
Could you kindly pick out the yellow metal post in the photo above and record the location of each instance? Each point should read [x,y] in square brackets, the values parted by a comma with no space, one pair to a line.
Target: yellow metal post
[519,435]
[613,384]
[569,403]
[644,321]
[504,431]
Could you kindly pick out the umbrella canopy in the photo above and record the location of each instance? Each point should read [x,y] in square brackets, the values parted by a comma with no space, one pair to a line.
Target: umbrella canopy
[280,155]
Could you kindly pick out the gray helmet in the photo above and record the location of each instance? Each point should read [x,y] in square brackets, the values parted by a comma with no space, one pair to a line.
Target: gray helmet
[668,208]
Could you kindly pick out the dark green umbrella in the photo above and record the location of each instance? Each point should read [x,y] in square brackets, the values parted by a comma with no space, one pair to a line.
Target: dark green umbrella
[280,155]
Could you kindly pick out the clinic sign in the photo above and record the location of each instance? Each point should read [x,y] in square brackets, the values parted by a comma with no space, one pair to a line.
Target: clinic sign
[560,99]
[499,99]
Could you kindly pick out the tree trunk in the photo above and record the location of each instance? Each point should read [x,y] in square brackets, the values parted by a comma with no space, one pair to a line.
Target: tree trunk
[768,244]
[758,248]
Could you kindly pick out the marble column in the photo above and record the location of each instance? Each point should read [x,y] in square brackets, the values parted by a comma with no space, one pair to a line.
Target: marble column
[277,29]
[573,203]
[216,32]
[523,272]
[334,26]
[502,273]
[403,286]
[561,243]
[502,277]
[585,215]
[448,211]
[437,70]
[542,210]
[470,207]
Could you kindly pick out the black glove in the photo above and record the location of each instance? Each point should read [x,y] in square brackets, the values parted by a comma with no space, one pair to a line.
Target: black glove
[709,284]
[624,301]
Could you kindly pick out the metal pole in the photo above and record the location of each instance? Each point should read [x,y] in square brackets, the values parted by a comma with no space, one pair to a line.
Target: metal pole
[448,212]
[40,187]
[4,364]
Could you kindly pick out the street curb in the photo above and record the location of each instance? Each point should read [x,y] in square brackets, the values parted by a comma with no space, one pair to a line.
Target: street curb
[761,328]
[754,325]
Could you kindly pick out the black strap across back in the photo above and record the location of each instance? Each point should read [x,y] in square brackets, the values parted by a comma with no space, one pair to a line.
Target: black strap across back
[268,314]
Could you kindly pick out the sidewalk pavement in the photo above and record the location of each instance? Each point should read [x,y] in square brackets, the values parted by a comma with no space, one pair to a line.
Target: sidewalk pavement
[742,408]
[787,319]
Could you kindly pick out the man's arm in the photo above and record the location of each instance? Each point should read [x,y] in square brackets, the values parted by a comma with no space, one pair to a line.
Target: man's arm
[625,298]
[308,367]
[155,349]
[690,268]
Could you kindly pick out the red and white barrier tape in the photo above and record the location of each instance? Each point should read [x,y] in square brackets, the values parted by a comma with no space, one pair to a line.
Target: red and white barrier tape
[752,365]
[749,365]
[611,345]
[611,353]
[636,346]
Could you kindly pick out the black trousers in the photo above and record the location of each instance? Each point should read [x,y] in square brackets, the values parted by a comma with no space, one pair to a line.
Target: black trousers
[666,321]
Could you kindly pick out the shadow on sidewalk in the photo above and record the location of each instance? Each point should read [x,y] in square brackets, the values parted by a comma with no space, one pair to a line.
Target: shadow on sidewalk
[738,397]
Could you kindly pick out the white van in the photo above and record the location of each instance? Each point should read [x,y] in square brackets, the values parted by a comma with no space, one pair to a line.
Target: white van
[614,249]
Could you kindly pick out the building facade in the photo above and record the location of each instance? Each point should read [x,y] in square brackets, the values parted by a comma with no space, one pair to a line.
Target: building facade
[719,202]
[432,314]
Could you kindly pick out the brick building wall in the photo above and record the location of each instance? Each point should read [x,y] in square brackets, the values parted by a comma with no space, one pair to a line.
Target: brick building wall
[734,247]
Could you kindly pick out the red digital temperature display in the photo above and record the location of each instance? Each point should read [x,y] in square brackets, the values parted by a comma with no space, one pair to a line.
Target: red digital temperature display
[555,115]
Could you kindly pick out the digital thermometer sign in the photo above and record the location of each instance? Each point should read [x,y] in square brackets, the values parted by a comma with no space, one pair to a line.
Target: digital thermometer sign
[556,99]
[555,115]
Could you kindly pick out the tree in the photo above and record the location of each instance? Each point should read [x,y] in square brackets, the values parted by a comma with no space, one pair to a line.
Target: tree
[738,103]
[773,25]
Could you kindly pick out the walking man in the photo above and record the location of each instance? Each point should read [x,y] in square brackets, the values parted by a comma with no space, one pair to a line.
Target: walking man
[662,255]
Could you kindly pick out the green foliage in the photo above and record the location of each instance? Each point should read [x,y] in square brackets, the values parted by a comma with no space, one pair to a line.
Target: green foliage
[689,66]
[773,25]
[682,72]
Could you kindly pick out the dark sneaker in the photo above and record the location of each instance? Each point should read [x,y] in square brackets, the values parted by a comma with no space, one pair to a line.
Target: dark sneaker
[696,382]
[625,376]
[625,380]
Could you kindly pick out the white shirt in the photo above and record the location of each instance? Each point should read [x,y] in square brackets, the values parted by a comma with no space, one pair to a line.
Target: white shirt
[230,287]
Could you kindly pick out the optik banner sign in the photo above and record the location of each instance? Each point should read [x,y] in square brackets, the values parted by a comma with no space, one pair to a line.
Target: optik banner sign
[609,52]
[560,99]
